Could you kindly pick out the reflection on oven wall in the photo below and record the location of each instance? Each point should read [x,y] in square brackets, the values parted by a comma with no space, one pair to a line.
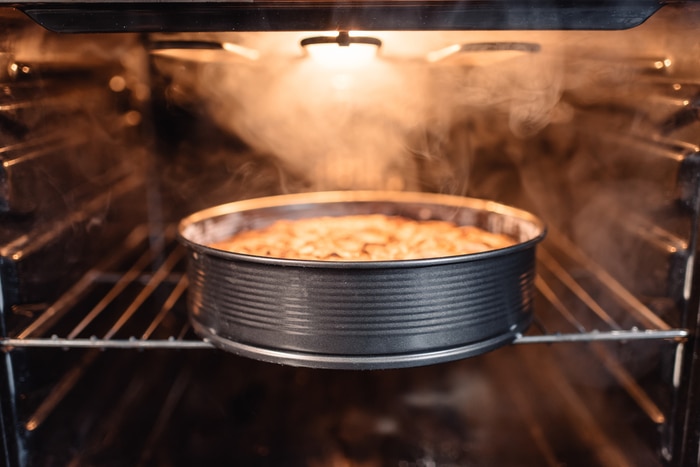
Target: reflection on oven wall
[104,134]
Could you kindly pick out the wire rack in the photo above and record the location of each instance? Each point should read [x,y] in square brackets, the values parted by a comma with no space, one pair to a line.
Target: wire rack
[135,299]
[129,309]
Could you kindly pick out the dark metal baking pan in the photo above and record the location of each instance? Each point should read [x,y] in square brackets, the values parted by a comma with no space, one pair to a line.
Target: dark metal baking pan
[360,315]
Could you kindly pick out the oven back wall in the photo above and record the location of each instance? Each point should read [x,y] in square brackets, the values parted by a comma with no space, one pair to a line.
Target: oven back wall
[104,152]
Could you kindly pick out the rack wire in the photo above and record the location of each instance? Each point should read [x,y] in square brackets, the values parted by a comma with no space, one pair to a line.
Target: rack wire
[161,271]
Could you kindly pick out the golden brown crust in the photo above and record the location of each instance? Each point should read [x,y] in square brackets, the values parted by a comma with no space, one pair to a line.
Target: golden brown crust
[371,237]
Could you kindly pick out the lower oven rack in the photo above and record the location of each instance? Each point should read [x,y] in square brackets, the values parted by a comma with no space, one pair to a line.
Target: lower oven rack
[135,299]
[153,278]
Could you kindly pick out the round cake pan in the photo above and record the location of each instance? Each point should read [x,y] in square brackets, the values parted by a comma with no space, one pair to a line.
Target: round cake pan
[360,315]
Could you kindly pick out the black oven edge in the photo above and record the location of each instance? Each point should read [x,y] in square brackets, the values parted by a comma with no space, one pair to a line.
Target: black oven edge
[686,444]
[285,16]
[9,426]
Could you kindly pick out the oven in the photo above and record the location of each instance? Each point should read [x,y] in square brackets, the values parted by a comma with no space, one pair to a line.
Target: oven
[118,120]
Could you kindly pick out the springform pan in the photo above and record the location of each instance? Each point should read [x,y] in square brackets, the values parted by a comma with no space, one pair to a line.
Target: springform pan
[354,314]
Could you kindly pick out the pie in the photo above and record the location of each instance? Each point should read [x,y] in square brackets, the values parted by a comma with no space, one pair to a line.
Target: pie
[367,237]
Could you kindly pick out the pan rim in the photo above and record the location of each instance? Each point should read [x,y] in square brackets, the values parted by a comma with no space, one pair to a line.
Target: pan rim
[387,361]
[332,197]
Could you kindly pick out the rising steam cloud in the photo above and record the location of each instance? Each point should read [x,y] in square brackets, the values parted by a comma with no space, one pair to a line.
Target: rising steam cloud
[342,128]
[352,127]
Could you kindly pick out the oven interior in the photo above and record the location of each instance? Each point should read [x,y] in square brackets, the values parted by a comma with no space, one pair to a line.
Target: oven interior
[109,139]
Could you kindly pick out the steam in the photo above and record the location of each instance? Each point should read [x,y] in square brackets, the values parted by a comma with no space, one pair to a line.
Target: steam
[526,87]
[365,127]
[344,128]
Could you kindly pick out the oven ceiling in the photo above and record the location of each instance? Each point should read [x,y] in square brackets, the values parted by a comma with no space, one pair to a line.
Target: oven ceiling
[368,15]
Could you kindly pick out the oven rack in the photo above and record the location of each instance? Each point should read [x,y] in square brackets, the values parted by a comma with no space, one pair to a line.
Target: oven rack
[178,343]
[156,284]
[194,343]
[135,299]
[173,342]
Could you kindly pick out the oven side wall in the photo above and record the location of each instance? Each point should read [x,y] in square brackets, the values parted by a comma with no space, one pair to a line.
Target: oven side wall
[73,164]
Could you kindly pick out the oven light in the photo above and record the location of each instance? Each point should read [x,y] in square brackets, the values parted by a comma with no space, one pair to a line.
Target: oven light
[132,118]
[117,83]
[483,53]
[246,52]
[343,50]
[16,70]
[335,56]
[437,55]
[201,50]
[659,64]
